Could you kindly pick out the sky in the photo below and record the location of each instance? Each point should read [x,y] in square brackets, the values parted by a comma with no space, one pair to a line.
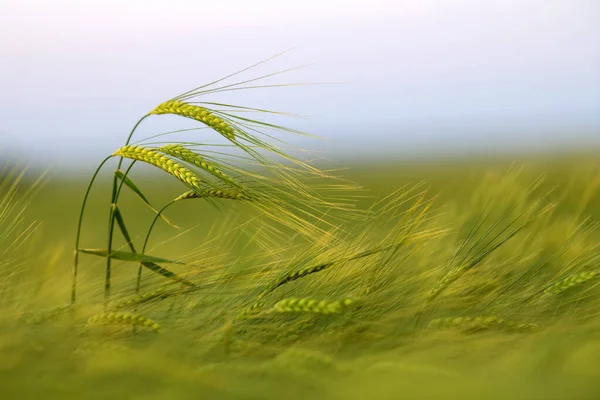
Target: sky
[394,77]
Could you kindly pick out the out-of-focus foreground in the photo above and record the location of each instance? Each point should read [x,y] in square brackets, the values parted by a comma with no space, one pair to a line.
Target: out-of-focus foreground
[488,289]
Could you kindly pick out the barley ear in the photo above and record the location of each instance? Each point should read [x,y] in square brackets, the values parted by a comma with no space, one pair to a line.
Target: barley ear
[307,305]
[217,193]
[198,113]
[570,281]
[123,318]
[479,323]
[186,155]
[161,161]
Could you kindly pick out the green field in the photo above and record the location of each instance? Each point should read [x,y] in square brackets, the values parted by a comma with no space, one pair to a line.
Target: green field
[488,289]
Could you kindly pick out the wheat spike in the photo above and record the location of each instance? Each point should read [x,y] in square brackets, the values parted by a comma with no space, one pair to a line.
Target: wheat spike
[161,161]
[197,113]
[124,318]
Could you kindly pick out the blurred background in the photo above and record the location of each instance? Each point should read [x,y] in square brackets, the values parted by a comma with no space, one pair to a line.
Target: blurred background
[398,78]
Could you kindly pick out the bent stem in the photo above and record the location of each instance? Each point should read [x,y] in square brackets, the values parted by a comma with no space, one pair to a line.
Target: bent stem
[156,217]
[111,223]
[78,235]
[111,228]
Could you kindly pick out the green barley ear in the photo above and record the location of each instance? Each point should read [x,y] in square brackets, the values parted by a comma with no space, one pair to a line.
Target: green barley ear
[446,281]
[186,155]
[252,310]
[306,305]
[570,281]
[480,323]
[123,318]
[161,161]
[197,113]
[301,273]
[158,294]
[218,193]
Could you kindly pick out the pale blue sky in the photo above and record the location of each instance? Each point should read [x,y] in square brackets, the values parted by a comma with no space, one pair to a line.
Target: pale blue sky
[415,75]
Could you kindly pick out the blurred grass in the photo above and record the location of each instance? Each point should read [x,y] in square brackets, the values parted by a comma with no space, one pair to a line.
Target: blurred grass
[373,353]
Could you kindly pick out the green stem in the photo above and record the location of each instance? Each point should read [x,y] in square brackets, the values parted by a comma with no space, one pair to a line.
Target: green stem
[124,178]
[139,274]
[111,223]
[111,228]
[78,235]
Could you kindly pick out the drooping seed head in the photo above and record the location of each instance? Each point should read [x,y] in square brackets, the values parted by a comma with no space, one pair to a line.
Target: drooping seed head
[184,154]
[446,280]
[307,305]
[571,281]
[197,113]
[292,276]
[252,310]
[218,193]
[161,161]
[481,323]
[124,318]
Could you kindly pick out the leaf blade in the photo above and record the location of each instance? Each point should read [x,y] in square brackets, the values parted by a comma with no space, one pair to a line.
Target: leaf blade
[122,227]
[131,185]
[149,262]
[129,256]
[166,273]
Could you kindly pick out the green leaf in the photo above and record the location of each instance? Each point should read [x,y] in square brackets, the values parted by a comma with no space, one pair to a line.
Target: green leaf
[166,273]
[128,256]
[126,180]
[129,183]
[122,227]
[147,261]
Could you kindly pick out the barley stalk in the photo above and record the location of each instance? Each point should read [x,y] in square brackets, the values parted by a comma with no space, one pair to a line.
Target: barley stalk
[161,161]
[197,113]
[121,318]
[78,234]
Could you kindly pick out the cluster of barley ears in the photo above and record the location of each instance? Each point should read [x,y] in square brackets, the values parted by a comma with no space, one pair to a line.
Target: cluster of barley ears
[269,179]
[404,215]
